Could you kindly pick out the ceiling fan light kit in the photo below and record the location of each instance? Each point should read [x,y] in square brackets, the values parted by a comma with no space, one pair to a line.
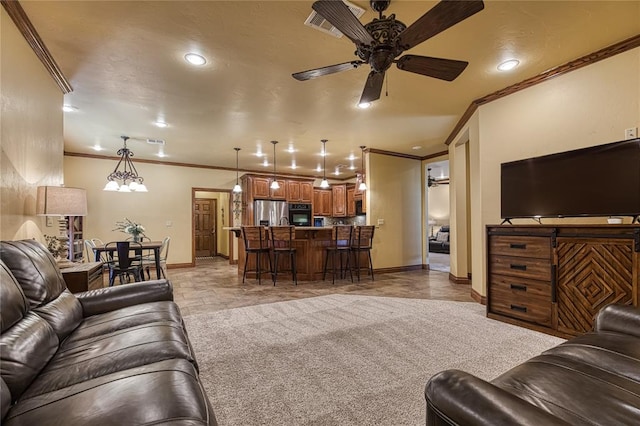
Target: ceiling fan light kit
[381,42]
[128,176]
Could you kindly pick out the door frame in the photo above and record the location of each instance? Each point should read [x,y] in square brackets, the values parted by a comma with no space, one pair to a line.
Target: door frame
[193,223]
[213,244]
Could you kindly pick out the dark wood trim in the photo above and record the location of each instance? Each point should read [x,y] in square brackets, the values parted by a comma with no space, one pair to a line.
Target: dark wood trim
[394,154]
[426,266]
[21,20]
[398,269]
[591,58]
[180,265]
[461,123]
[196,166]
[478,297]
[437,154]
[458,280]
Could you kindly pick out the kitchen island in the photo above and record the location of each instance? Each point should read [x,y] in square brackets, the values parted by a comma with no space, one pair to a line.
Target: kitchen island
[310,244]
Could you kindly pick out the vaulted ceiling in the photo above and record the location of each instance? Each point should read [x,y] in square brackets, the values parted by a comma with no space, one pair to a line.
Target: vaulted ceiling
[125,62]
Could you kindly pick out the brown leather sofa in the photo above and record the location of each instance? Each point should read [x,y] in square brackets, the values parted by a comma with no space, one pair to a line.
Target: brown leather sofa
[593,379]
[114,356]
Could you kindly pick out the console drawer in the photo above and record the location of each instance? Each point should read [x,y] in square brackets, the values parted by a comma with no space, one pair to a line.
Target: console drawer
[518,246]
[537,269]
[523,307]
[521,286]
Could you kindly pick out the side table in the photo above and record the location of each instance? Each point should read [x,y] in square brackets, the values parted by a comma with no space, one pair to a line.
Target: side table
[83,276]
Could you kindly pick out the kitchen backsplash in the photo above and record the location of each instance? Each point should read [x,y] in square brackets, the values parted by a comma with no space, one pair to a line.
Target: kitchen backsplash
[357,220]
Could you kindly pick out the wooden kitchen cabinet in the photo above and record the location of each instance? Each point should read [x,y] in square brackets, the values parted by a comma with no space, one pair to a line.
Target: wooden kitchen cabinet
[280,193]
[351,202]
[306,192]
[322,205]
[260,187]
[299,191]
[339,200]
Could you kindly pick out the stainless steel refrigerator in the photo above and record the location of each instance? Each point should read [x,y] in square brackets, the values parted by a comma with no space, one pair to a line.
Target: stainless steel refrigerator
[270,212]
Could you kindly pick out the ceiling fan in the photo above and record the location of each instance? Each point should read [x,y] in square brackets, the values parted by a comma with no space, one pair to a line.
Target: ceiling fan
[382,40]
[431,181]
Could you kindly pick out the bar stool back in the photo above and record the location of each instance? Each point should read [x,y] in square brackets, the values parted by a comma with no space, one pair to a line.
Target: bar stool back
[362,243]
[256,241]
[340,244]
[282,243]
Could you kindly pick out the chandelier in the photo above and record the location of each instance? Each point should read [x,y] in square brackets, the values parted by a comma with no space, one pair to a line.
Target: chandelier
[127,179]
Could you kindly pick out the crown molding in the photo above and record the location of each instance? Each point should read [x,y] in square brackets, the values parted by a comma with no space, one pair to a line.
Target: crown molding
[591,58]
[21,20]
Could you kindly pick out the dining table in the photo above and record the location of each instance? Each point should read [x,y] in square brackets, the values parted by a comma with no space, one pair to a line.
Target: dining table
[138,248]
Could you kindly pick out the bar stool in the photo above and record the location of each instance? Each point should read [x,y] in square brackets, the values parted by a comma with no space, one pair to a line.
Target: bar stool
[340,244]
[256,241]
[282,242]
[362,242]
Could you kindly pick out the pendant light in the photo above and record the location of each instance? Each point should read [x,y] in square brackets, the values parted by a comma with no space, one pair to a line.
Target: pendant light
[363,186]
[274,184]
[325,182]
[129,177]
[237,189]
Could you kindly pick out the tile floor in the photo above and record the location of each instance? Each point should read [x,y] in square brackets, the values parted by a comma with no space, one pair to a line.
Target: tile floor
[214,285]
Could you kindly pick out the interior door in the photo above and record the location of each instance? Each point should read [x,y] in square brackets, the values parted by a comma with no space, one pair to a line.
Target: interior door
[204,218]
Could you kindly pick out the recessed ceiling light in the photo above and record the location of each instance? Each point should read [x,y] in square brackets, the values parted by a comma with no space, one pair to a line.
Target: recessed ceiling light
[265,163]
[508,65]
[318,169]
[195,59]
[351,157]
[97,147]
[416,147]
[364,105]
[161,154]
[160,123]
[69,108]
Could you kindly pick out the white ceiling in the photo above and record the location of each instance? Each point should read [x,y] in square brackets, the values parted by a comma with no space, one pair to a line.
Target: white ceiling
[125,62]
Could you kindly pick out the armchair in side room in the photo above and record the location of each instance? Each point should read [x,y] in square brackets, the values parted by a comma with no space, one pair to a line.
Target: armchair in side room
[440,242]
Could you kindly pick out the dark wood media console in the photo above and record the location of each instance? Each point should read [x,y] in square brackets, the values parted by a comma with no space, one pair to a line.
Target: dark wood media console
[556,278]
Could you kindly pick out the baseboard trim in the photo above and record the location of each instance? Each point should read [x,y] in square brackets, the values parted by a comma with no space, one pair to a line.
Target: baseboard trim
[478,297]
[224,256]
[398,269]
[458,280]
[180,265]
[426,266]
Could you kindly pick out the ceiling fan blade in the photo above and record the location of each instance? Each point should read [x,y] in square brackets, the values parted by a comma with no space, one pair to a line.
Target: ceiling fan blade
[339,15]
[331,69]
[373,87]
[444,69]
[445,14]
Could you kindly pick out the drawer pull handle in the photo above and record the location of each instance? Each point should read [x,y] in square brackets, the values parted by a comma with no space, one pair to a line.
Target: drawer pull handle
[519,308]
[518,267]
[518,246]
[519,287]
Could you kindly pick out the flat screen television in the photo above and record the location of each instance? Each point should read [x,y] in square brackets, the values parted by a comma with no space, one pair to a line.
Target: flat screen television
[601,180]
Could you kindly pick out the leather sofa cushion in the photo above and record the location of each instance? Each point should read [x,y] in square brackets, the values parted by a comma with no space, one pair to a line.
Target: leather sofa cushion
[81,360]
[37,273]
[5,397]
[25,349]
[131,316]
[166,392]
[35,269]
[13,303]
[575,392]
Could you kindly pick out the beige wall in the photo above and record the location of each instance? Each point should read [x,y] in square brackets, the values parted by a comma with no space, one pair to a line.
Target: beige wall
[587,107]
[222,220]
[168,200]
[30,135]
[395,195]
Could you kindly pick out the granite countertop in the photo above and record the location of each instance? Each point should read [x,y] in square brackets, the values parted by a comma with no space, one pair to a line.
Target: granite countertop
[302,228]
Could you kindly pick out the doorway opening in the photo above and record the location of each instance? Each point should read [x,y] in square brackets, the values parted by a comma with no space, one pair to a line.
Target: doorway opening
[438,243]
[210,214]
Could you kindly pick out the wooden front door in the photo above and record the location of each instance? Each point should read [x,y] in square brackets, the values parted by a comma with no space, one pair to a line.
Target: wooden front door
[204,218]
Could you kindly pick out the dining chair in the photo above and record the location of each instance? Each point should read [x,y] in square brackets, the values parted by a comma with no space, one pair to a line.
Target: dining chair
[122,264]
[149,261]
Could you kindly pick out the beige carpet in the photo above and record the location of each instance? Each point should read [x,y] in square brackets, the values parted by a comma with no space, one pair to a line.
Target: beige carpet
[346,360]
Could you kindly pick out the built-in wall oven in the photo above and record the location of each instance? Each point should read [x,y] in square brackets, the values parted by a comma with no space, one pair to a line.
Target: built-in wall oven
[300,214]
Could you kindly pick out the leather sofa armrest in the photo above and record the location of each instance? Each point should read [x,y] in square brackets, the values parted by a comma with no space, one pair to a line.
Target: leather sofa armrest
[620,319]
[458,398]
[111,298]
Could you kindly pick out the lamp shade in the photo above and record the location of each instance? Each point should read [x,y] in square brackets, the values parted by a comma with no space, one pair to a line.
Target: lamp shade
[61,201]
